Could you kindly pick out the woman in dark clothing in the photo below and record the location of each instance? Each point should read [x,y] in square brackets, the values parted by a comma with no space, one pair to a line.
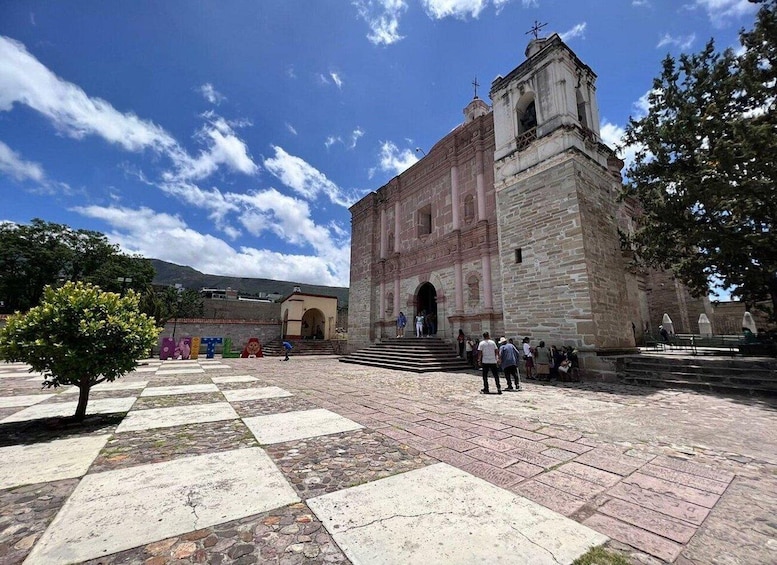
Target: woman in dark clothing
[461,339]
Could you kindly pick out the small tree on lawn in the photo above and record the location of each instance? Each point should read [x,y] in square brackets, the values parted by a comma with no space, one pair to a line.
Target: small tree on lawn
[79,335]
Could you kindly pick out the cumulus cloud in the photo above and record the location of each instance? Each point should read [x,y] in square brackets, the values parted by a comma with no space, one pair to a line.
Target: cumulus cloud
[722,12]
[336,79]
[395,160]
[12,164]
[382,17]
[576,31]
[682,42]
[24,80]
[461,9]
[211,94]
[168,237]
[306,180]
[612,134]
[640,3]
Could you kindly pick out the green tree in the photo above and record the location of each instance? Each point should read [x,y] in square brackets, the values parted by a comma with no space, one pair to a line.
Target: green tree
[43,253]
[81,336]
[704,171]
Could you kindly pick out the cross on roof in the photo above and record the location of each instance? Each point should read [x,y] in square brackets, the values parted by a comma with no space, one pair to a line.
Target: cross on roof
[475,83]
[535,29]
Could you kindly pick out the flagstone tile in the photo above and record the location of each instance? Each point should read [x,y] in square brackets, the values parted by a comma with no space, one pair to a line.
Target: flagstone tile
[439,514]
[571,484]
[26,513]
[149,402]
[179,389]
[126,508]
[238,395]
[278,428]
[661,524]
[663,503]
[180,371]
[176,416]
[636,537]
[119,384]
[323,464]
[550,497]
[38,411]
[23,400]
[68,396]
[164,444]
[50,461]
[291,534]
[590,474]
[688,494]
[177,380]
[265,406]
[234,379]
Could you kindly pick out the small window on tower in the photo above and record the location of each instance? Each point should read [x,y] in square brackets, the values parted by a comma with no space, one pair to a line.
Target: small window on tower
[518,255]
[425,220]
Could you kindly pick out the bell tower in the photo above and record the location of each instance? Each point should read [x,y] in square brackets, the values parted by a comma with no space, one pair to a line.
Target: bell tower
[556,187]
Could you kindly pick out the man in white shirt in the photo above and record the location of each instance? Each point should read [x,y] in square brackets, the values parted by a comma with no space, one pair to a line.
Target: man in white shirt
[528,357]
[488,358]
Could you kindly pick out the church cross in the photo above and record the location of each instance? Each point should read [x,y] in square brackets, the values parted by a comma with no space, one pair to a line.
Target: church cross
[475,83]
[535,30]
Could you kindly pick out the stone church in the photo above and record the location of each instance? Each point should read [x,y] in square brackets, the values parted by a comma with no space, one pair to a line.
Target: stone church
[510,225]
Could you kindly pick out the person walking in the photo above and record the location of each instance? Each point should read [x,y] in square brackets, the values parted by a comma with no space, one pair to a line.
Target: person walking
[419,324]
[461,340]
[508,355]
[528,358]
[401,323]
[543,360]
[488,358]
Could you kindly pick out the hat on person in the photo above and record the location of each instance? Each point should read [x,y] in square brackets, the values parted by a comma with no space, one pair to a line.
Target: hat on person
[502,340]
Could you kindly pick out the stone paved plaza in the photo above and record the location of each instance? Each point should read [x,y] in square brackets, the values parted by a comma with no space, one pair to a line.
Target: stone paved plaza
[314,461]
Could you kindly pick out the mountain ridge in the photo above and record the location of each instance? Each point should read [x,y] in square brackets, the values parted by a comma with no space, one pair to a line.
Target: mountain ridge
[170,273]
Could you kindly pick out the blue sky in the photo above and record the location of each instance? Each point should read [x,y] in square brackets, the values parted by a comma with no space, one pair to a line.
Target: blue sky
[232,136]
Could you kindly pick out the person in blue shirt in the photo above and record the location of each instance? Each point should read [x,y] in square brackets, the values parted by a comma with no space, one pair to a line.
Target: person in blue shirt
[287,348]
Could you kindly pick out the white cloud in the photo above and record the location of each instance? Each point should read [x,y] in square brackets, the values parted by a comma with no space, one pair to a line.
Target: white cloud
[612,134]
[394,160]
[211,94]
[290,72]
[382,17]
[331,140]
[461,9]
[223,147]
[168,237]
[337,79]
[356,134]
[576,31]
[683,42]
[14,166]
[305,179]
[640,3]
[721,12]
[24,80]
[291,129]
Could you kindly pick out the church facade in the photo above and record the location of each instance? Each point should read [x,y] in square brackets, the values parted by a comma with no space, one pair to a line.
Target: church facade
[510,225]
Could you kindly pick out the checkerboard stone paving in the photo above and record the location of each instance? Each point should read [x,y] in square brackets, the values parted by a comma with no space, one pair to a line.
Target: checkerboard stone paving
[253,472]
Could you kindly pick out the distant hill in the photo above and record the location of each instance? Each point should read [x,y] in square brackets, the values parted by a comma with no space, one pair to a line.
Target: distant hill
[170,274]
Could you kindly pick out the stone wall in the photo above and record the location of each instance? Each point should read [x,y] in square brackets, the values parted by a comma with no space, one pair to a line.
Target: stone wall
[238,330]
[360,299]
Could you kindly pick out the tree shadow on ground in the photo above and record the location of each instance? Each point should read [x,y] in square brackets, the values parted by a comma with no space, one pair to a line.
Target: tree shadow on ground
[48,429]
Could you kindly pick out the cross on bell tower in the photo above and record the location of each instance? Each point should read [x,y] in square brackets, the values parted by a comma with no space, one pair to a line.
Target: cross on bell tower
[535,29]
[475,84]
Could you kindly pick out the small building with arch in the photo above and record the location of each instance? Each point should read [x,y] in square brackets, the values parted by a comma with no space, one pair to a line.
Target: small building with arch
[308,316]
[508,224]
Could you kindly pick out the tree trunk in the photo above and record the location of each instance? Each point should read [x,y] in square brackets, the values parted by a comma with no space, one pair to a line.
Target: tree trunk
[83,398]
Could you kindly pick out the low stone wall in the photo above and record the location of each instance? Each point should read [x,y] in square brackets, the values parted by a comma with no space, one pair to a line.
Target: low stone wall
[238,330]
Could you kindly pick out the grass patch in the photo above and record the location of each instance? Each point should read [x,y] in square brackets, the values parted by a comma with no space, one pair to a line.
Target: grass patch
[601,556]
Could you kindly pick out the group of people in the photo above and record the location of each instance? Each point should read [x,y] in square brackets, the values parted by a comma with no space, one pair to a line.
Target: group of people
[541,363]
[425,324]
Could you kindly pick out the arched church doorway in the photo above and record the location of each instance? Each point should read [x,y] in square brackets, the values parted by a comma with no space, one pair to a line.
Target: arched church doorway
[313,324]
[426,301]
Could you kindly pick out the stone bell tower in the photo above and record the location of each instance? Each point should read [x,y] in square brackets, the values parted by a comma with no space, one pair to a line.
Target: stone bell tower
[557,184]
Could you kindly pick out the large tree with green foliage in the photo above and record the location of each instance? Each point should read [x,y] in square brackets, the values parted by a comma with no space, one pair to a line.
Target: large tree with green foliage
[79,335]
[705,171]
[44,253]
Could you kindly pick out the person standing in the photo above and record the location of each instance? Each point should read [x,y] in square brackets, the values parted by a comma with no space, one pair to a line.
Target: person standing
[470,347]
[543,360]
[401,323]
[528,358]
[508,354]
[488,358]
[419,324]
[461,341]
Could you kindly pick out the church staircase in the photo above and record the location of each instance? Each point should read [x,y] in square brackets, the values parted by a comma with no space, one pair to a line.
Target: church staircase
[418,355]
[738,376]
[274,348]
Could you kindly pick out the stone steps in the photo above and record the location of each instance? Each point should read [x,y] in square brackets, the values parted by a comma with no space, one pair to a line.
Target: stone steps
[418,355]
[274,348]
[730,376]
